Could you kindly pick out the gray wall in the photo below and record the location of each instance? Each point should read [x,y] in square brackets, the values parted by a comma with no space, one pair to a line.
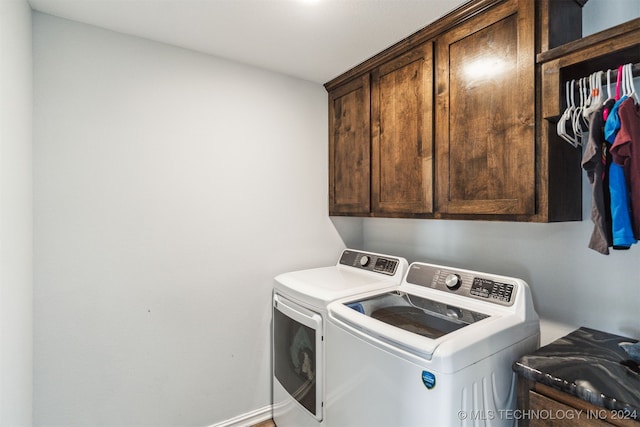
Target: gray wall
[598,15]
[15,214]
[570,283]
[170,188]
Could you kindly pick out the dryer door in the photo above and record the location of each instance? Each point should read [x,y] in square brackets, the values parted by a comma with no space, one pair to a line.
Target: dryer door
[297,353]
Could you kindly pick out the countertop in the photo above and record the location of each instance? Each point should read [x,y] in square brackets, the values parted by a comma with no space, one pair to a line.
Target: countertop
[590,365]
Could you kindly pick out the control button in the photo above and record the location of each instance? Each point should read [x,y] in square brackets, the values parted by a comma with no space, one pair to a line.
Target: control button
[364,261]
[453,281]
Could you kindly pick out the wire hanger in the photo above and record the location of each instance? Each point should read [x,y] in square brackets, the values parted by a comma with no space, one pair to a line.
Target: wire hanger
[561,127]
[619,81]
[605,113]
[588,94]
[630,85]
[624,83]
[578,124]
[596,94]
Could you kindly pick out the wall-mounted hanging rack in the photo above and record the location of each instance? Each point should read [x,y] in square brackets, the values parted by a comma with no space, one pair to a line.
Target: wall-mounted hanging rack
[586,94]
[601,51]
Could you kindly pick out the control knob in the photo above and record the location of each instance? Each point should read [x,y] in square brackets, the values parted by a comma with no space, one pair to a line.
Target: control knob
[453,281]
[364,261]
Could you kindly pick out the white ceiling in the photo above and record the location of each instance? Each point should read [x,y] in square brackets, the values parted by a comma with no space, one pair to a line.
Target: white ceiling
[315,40]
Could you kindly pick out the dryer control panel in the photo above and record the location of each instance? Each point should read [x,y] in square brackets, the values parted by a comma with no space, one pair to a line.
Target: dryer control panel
[370,262]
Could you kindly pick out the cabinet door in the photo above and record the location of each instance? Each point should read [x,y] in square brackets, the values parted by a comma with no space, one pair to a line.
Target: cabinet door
[349,148]
[485,114]
[402,134]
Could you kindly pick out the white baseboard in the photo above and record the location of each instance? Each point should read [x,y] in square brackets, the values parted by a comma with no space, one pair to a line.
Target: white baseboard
[248,419]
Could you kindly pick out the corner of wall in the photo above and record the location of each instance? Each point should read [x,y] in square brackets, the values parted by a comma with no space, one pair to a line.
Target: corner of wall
[350,229]
[16,213]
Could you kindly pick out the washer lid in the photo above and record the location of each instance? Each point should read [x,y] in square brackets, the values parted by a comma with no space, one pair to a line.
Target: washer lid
[355,316]
[422,316]
[409,322]
[452,332]
[449,344]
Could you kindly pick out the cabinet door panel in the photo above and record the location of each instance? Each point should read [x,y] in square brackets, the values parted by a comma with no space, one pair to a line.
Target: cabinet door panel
[349,148]
[402,134]
[485,116]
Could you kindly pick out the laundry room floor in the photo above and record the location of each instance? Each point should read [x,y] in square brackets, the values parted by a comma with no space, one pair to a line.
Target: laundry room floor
[268,423]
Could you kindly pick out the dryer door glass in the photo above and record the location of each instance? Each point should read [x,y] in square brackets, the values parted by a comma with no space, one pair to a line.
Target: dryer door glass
[297,353]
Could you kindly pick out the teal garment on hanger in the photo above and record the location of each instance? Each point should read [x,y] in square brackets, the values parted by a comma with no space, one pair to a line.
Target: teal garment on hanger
[622,232]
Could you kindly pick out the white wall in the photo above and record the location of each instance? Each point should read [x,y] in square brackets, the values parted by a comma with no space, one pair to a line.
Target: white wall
[15,214]
[570,283]
[170,188]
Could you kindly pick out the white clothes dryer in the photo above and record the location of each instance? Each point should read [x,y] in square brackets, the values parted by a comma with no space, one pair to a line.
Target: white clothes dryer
[300,302]
[435,351]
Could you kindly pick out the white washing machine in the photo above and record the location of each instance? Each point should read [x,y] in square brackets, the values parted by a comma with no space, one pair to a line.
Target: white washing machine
[299,315]
[435,351]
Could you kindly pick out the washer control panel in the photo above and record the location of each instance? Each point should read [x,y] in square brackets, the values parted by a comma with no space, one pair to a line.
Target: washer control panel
[462,282]
[369,262]
[487,288]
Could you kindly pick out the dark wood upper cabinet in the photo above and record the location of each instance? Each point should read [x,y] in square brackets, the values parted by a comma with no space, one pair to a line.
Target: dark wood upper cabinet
[402,134]
[350,148]
[381,139]
[446,123]
[485,113]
